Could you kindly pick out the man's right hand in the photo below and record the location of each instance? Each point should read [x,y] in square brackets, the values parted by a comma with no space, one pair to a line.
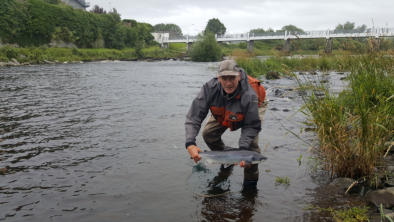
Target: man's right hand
[193,151]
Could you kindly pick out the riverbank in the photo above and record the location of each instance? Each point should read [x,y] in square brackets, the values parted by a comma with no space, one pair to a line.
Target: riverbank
[15,56]
[279,62]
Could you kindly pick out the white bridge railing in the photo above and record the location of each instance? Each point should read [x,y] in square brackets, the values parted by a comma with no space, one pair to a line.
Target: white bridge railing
[373,32]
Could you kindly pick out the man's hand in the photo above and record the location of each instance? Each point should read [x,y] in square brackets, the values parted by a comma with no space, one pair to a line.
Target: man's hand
[193,151]
[243,164]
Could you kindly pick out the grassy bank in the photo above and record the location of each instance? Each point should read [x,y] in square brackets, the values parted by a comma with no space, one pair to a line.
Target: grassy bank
[354,126]
[45,54]
[287,65]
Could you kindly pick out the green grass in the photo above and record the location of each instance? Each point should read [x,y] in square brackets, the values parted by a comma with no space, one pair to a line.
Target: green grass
[354,214]
[286,65]
[354,126]
[178,47]
[282,180]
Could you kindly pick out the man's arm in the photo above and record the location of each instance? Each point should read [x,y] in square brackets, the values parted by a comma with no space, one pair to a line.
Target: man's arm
[197,113]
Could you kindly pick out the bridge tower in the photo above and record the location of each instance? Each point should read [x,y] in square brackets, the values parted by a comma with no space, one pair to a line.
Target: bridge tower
[250,45]
[328,48]
[188,44]
[374,44]
[287,46]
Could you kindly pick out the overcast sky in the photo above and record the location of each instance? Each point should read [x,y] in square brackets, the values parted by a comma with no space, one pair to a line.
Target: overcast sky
[241,16]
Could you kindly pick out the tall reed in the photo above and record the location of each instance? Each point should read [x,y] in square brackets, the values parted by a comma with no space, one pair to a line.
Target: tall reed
[354,126]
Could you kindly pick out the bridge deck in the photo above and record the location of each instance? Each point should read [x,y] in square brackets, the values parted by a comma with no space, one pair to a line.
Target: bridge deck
[386,32]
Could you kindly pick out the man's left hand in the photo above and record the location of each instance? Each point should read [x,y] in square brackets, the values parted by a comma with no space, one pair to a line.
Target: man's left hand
[243,164]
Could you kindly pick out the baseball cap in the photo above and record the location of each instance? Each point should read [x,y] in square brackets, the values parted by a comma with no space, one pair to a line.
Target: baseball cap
[228,68]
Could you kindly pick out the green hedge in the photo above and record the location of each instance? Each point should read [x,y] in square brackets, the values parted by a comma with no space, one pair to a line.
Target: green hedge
[36,22]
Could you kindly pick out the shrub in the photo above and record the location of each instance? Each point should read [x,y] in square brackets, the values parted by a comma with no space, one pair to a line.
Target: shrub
[206,49]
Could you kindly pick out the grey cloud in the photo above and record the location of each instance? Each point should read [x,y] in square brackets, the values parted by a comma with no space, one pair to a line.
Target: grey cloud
[241,16]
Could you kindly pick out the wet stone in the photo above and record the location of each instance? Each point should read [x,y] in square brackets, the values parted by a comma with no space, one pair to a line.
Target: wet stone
[309,129]
[3,171]
[302,93]
[342,183]
[278,92]
[319,94]
[390,182]
[272,75]
[377,217]
[383,196]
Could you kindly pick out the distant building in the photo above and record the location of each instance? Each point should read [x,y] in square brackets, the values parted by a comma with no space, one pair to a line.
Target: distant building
[77,4]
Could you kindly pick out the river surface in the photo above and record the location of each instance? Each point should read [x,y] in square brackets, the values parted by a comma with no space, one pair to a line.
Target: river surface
[104,141]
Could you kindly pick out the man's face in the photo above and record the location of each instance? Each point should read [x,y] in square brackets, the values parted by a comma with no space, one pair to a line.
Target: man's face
[229,83]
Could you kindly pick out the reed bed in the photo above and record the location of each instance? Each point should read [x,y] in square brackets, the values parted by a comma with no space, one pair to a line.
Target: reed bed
[287,65]
[354,126]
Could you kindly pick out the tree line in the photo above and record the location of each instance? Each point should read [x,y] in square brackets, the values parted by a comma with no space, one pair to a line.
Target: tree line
[42,22]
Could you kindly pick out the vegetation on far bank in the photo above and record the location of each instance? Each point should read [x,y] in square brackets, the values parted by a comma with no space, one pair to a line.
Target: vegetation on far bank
[38,55]
[34,23]
[285,65]
[206,49]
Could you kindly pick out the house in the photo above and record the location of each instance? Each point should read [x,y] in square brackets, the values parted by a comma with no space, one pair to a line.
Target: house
[77,4]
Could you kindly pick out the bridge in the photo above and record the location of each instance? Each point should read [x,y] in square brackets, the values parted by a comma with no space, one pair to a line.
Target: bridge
[376,33]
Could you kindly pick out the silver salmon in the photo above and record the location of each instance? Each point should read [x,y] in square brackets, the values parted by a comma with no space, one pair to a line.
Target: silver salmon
[232,156]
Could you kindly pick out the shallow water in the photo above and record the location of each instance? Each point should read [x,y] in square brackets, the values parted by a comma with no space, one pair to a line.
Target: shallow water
[105,141]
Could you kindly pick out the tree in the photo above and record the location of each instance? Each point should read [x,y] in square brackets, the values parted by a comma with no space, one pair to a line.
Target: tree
[361,28]
[292,29]
[172,29]
[258,31]
[36,22]
[215,26]
[97,9]
[206,49]
[349,27]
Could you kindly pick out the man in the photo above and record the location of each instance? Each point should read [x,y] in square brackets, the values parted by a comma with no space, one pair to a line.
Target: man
[233,104]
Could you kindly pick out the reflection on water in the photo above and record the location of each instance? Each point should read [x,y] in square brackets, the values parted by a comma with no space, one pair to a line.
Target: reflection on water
[105,141]
[220,204]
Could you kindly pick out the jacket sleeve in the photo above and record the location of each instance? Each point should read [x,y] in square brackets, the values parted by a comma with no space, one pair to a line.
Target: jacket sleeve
[197,113]
[252,123]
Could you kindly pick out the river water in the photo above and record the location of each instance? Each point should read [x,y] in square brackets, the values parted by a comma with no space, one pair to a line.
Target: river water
[104,141]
